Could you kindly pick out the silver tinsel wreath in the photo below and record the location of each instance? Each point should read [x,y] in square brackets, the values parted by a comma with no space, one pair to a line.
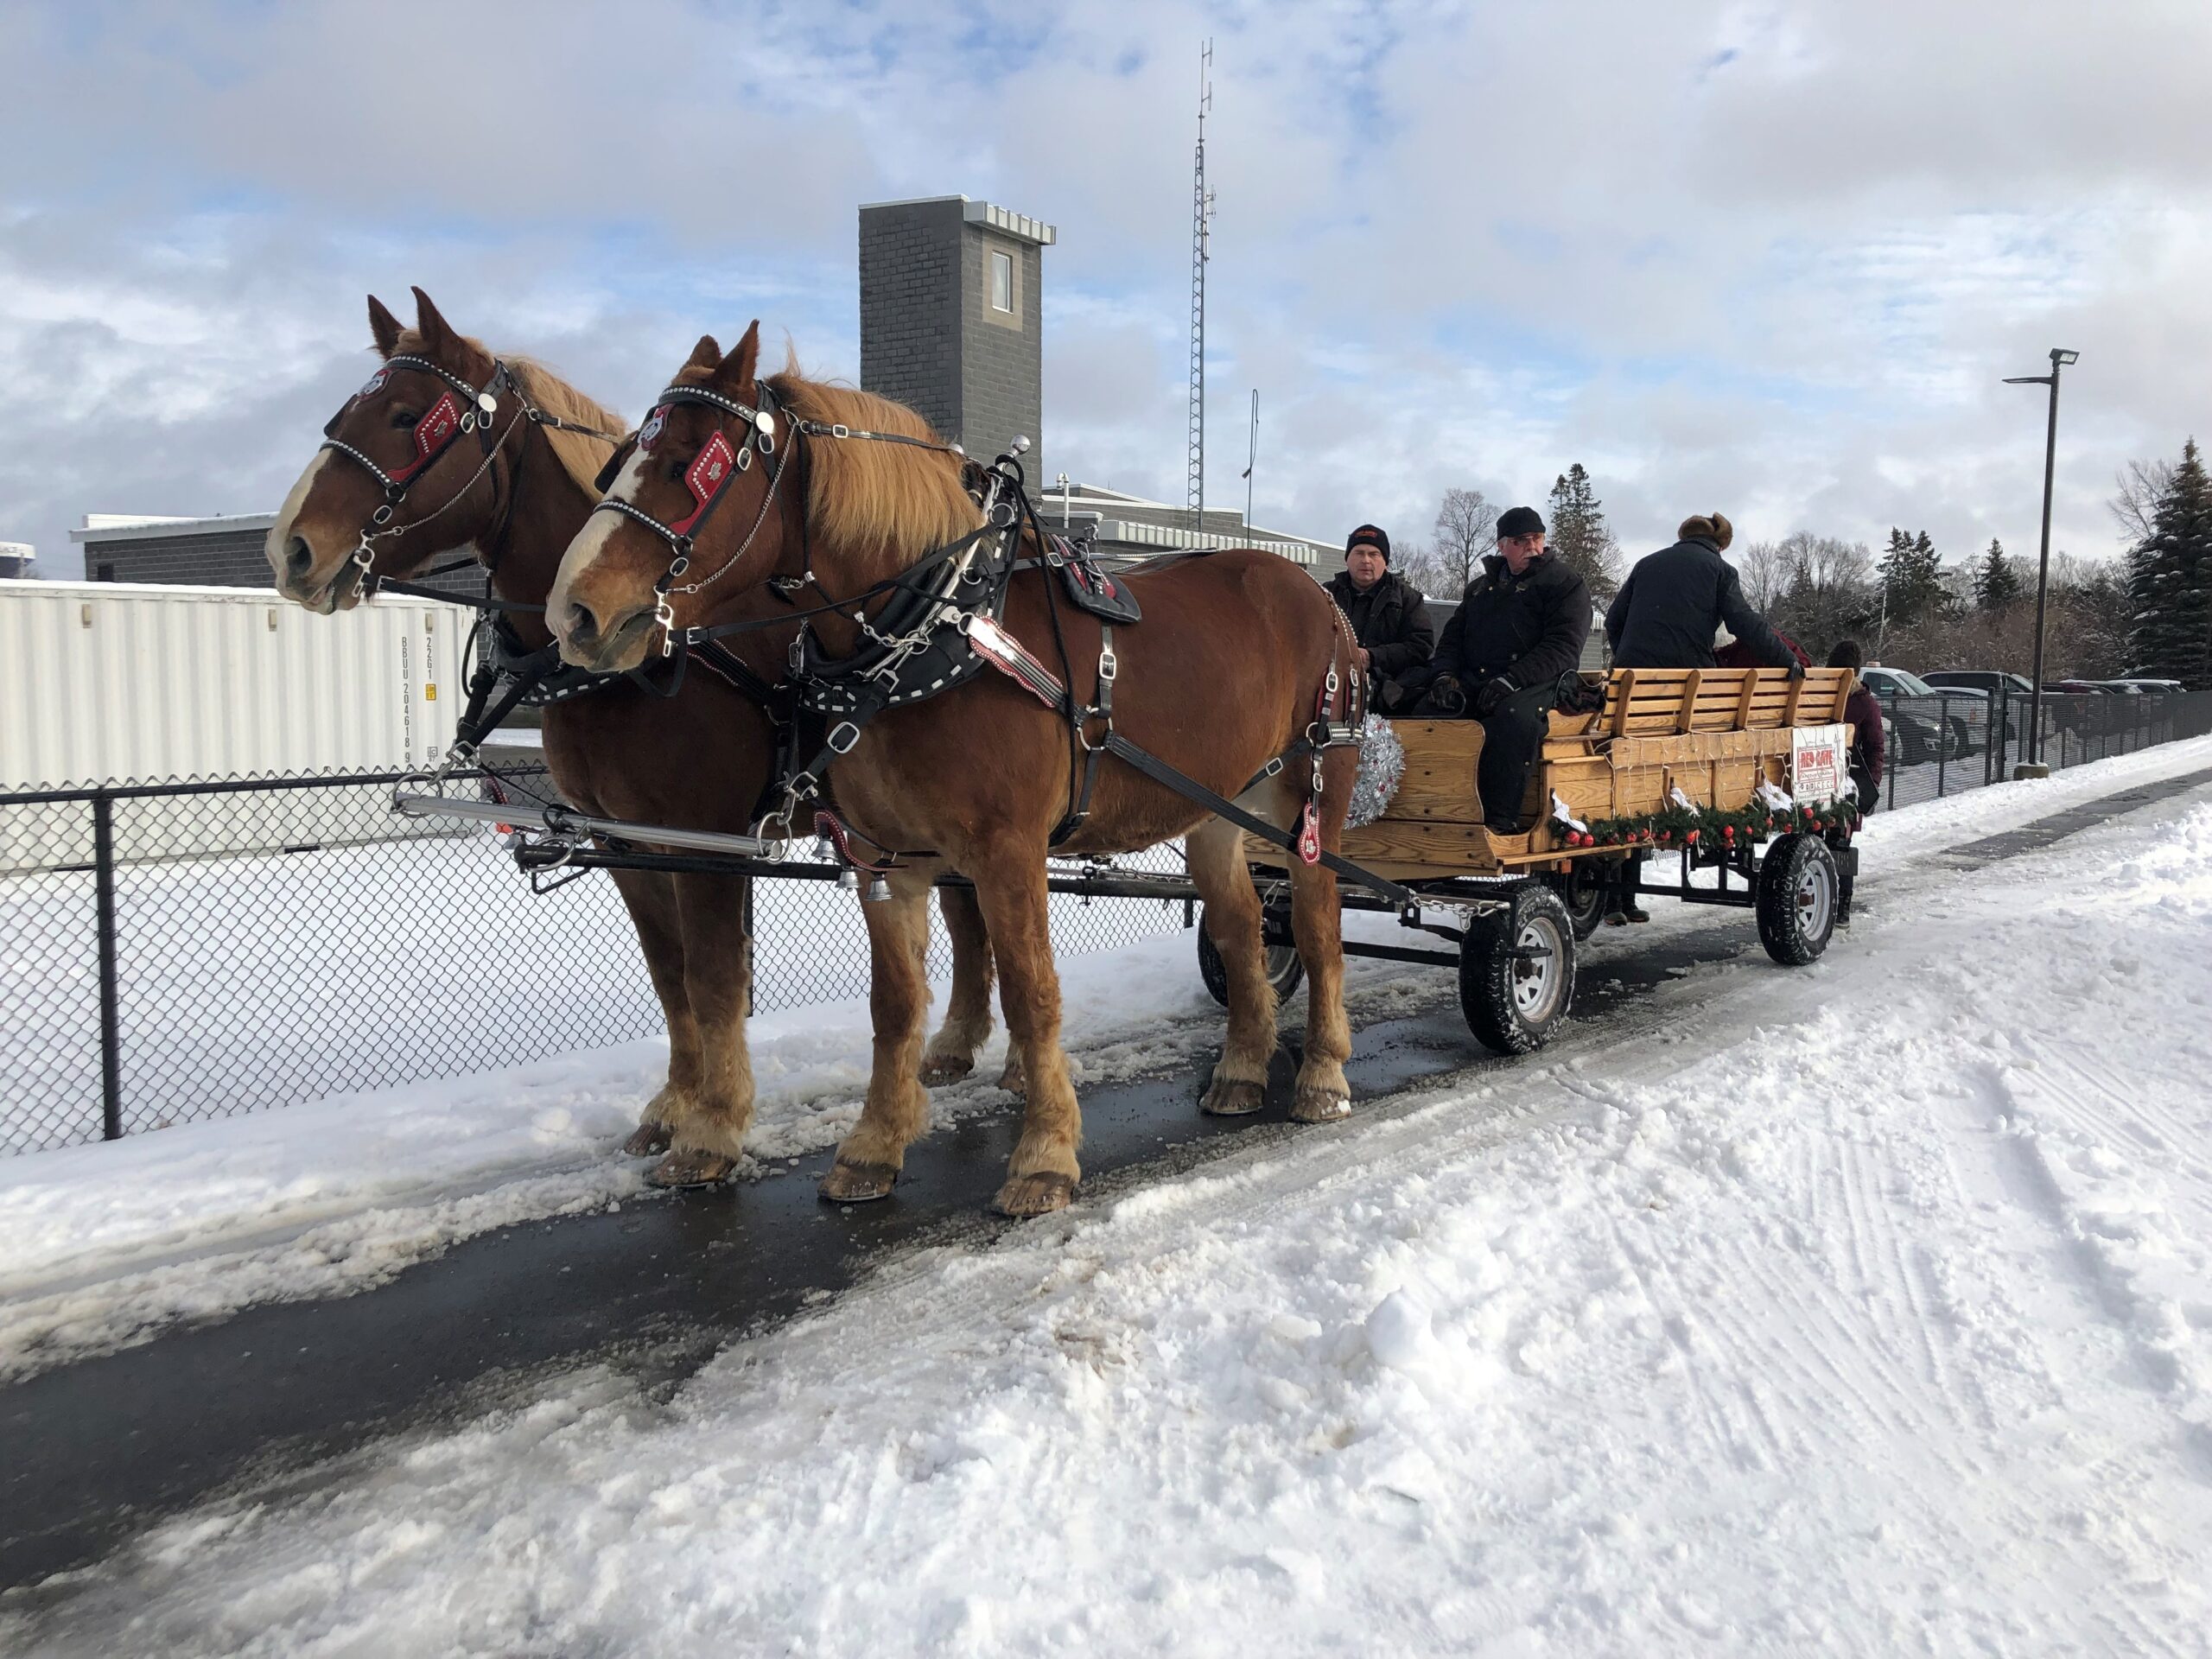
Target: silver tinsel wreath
[1382,769]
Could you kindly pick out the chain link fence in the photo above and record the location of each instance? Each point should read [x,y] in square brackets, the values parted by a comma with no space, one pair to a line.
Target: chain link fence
[175,952]
[1959,740]
[180,952]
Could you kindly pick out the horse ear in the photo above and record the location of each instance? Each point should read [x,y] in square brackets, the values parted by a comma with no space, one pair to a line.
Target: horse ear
[706,356]
[433,327]
[738,368]
[383,328]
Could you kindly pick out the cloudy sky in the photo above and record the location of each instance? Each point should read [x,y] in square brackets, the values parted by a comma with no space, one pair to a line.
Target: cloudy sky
[1770,258]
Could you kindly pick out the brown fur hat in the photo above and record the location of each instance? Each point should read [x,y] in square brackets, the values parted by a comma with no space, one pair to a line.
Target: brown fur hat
[1712,526]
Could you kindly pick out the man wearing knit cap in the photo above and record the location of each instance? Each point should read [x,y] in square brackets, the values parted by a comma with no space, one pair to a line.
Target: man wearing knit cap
[1667,612]
[1519,628]
[1385,613]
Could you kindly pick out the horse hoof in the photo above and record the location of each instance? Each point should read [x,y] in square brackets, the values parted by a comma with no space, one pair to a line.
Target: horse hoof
[647,1140]
[1311,1106]
[1025,1196]
[941,1069]
[1232,1097]
[858,1182]
[1012,1080]
[681,1169]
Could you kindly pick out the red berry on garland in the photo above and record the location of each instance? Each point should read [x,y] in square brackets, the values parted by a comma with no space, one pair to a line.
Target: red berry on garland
[1690,839]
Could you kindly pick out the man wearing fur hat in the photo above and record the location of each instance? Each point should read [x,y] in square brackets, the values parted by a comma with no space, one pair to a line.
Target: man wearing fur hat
[1674,601]
[1385,613]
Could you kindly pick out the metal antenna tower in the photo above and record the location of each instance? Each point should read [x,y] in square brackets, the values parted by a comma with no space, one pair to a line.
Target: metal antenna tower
[1201,218]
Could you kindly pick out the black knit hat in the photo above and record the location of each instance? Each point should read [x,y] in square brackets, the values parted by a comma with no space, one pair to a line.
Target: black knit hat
[1369,536]
[1516,522]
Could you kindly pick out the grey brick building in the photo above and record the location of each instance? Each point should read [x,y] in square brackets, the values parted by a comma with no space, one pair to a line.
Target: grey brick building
[952,318]
[224,552]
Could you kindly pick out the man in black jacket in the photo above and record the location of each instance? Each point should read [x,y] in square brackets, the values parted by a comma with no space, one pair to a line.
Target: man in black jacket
[1667,612]
[1386,616]
[1520,626]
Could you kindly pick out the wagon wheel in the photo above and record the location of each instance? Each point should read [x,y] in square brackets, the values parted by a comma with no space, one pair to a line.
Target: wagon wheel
[1516,970]
[1582,889]
[1797,891]
[1285,971]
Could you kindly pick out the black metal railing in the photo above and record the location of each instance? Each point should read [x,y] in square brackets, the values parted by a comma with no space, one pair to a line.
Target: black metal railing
[1957,741]
[175,952]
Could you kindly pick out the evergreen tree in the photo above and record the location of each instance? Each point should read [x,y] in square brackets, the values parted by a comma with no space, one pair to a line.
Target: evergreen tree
[1996,584]
[2170,580]
[1912,580]
[1579,536]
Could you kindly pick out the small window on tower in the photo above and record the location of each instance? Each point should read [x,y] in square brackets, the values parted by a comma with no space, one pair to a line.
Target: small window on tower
[1001,282]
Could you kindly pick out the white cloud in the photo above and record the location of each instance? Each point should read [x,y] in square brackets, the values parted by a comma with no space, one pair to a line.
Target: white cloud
[1771,257]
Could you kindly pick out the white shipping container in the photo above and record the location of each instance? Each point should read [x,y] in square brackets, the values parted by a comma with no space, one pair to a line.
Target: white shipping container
[107,683]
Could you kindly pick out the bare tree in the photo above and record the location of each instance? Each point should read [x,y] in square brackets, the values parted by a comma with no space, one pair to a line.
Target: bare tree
[1418,565]
[2136,503]
[1829,592]
[1764,567]
[1466,532]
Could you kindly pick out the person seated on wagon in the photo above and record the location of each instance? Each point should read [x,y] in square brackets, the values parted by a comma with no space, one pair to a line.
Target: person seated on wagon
[1729,652]
[1666,612]
[1520,624]
[1385,613]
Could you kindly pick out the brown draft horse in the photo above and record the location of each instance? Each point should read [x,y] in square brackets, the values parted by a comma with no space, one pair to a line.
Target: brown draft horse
[1226,670]
[695,761]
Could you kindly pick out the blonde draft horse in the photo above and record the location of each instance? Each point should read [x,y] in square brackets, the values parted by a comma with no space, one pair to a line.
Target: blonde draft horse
[1226,670]
[698,760]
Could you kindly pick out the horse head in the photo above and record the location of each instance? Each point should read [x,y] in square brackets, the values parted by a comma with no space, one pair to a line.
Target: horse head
[400,476]
[685,505]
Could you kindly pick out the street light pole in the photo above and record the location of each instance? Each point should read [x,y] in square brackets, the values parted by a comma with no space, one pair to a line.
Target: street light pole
[2059,359]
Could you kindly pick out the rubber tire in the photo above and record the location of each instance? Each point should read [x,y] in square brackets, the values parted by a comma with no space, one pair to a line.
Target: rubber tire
[1781,923]
[1588,913]
[1489,979]
[1284,968]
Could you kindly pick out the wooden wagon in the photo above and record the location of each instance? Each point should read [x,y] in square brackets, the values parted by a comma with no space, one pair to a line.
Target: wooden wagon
[1742,772]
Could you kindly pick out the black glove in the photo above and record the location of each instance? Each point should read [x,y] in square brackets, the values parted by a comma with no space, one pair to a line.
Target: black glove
[1446,697]
[1796,669]
[1494,694]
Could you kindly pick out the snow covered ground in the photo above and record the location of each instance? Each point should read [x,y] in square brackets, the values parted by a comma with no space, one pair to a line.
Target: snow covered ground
[1866,1311]
[102,1244]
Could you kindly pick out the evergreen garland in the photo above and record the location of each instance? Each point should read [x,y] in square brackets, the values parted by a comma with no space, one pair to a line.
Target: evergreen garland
[1704,828]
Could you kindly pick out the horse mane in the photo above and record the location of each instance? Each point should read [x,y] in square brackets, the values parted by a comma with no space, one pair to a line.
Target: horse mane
[580,456]
[888,496]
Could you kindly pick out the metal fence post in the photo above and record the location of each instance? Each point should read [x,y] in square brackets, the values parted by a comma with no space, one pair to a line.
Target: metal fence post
[1896,762]
[1943,742]
[104,924]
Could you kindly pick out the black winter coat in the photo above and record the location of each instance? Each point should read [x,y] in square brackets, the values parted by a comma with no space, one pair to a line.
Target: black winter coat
[1527,630]
[1666,612]
[1389,620]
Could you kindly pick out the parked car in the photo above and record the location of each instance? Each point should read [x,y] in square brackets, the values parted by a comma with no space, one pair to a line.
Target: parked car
[1978,679]
[1924,729]
[2000,688]
[2150,688]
